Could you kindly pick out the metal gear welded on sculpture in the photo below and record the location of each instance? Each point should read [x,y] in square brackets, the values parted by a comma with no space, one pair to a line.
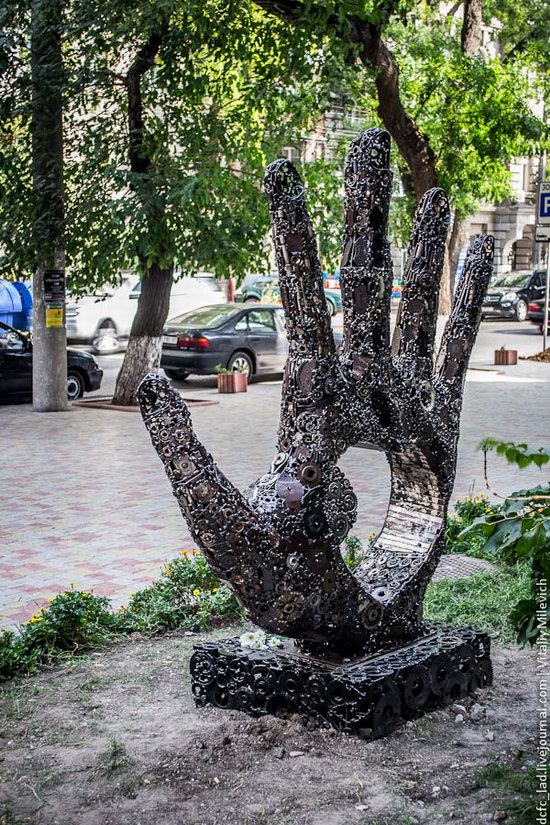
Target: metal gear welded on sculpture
[278,545]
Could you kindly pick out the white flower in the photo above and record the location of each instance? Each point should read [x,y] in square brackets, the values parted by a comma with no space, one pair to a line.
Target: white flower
[259,640]
[257,644]
[246,640]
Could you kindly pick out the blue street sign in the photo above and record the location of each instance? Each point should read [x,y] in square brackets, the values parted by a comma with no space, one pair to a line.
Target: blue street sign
[544,206]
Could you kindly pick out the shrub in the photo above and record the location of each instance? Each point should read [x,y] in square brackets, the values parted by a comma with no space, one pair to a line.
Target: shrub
[519,533]
[187,595]
[74,621]
[466,511]
[354,552]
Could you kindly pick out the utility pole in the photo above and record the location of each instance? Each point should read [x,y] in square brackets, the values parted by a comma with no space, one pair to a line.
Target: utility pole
[49,332]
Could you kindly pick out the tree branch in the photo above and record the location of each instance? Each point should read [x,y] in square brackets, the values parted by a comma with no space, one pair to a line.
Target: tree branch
[412,143]
[470,38]
[142,63]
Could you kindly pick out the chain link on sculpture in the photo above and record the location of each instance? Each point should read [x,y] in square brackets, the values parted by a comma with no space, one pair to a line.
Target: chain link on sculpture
[278,545]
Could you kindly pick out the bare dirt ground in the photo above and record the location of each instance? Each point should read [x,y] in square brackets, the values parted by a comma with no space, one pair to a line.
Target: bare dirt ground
[115,739]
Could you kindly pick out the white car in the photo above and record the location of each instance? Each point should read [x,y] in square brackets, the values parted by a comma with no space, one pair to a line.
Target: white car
[106,317]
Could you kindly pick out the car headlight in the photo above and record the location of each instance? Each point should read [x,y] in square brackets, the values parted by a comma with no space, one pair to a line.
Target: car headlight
[510,296]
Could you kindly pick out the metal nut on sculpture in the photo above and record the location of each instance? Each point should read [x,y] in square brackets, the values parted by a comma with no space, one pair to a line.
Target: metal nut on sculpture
[278,545]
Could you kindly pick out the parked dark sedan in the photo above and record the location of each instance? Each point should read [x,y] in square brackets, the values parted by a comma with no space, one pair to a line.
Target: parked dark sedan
[511,295]
[83,372]
[240,337]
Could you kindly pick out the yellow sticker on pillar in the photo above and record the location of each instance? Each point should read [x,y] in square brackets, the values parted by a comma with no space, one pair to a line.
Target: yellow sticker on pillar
[54,317]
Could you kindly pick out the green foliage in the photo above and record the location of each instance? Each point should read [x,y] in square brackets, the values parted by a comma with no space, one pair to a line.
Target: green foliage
[187,595]
[520,533]
[353,552]
[519,454]
[73,622]
[474,110]
[221,370]
[517,790]
[227,89]
[465,512]
[524,30]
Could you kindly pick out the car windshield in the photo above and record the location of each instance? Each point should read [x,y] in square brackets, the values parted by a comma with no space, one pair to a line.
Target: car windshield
[207,317]
[513,280]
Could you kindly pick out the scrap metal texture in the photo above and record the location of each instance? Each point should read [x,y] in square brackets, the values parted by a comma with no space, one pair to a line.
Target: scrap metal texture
[278,545]
[369,696]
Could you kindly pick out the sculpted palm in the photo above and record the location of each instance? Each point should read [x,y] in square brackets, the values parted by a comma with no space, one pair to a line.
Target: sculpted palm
[278,545]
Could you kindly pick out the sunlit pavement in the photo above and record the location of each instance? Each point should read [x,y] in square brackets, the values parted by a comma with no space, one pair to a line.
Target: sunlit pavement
[85,500]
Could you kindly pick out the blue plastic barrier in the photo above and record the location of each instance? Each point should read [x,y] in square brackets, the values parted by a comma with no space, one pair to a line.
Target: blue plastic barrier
[15,304]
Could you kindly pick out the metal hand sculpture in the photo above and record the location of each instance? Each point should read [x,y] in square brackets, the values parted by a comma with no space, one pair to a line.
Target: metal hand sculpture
[278,545]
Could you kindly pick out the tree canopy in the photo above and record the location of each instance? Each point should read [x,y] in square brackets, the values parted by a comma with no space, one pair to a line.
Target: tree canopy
[226,88]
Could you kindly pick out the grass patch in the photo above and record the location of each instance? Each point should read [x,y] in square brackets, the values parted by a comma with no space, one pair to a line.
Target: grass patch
[113,760]
[483,601]
[517,791]
[8,817]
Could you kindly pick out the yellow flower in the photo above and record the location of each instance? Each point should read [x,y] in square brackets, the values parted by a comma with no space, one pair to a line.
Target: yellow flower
[196,592]
[50,601]
[215,589]
[85,595]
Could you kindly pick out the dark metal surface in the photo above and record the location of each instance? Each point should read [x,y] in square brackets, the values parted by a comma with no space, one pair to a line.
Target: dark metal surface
[370,696]
[278,545]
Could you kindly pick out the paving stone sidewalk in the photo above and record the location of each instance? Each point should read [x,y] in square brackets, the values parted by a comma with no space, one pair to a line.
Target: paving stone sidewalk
[85,500]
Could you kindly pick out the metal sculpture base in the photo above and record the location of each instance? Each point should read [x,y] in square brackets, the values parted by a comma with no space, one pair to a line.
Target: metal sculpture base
[368,696]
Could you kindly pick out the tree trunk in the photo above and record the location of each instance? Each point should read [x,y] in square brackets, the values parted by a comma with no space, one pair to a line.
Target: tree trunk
[470,39]
[144,345]
[49,382]
[412,143]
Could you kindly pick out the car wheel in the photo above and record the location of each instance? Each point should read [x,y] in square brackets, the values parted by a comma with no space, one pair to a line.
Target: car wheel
[75,386]
[107,324]
[251,300]
[521,310]
[241,362]
[331,309]
[177,375]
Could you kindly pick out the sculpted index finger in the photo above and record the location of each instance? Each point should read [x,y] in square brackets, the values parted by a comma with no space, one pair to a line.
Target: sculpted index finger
[366,272]
[300,274]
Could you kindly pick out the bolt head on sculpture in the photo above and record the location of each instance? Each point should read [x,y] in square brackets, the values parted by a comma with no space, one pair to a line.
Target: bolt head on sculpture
[278,545]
